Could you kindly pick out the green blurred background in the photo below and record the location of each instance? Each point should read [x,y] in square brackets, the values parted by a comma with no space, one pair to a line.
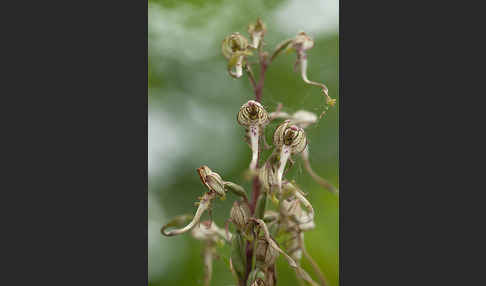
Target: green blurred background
[192,121]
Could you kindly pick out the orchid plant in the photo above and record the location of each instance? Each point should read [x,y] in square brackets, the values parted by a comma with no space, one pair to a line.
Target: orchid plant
[258,224]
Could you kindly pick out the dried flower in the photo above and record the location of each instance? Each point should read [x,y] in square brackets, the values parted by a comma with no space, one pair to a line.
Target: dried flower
[256,32]
[235,49]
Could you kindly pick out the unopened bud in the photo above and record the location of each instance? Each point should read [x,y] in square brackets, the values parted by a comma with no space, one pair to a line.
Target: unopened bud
[291,136]
[212,180]
[265,253]
[303,42]
[240,214]
[252,113]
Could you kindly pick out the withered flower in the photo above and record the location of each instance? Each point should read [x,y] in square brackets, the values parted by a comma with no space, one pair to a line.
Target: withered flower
[257,31]
[235,49]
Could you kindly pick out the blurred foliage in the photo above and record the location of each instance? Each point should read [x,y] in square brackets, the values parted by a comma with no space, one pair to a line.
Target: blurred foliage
[192,121]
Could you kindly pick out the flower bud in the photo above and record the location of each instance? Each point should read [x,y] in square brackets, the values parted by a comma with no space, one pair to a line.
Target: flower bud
[291,136]
[302,42]
[265,253]
[240,214]
[252,113]
[212,180]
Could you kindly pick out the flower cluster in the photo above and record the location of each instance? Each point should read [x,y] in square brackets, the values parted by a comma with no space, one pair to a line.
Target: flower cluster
[257,225]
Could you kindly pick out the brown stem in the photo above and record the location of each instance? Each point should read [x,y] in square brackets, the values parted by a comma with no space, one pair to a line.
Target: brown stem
[259,87]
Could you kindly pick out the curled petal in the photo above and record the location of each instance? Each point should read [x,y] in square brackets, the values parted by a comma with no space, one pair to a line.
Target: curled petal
[203,206]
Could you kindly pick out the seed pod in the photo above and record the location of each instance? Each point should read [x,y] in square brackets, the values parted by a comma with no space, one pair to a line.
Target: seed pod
[290,135]
[252,113]
[265,253]
[240,214]
[212,180]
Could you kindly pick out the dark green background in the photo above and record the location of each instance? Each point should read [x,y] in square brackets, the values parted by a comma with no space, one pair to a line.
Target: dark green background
[192,121]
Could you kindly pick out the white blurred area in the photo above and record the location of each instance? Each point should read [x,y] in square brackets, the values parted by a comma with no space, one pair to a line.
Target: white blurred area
[315,17]
[184,116]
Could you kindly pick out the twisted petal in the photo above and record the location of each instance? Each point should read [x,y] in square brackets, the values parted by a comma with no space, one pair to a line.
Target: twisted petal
[203,206]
